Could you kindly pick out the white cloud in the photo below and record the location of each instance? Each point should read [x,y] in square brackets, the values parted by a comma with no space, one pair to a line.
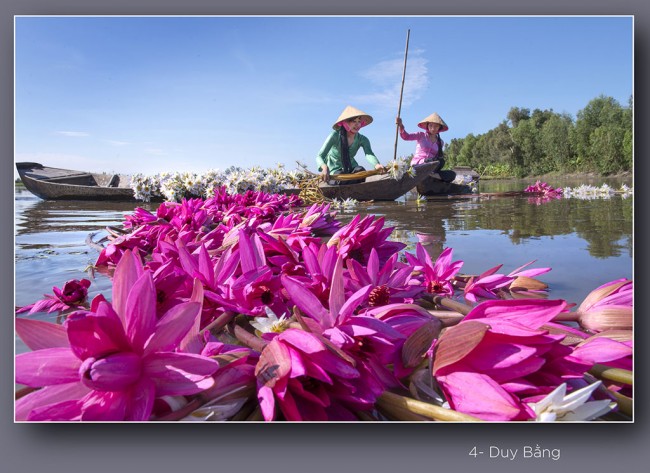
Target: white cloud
[72,133]
[386,78]
[117,143]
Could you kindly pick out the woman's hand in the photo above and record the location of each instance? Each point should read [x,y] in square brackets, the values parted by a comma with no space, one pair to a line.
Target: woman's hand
[398,120]
[381,168]
[325,174]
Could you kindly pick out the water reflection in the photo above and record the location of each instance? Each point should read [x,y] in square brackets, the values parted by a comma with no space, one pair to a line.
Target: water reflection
[604,224]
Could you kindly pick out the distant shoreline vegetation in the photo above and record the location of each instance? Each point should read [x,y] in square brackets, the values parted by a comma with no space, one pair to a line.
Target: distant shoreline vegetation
[543,142]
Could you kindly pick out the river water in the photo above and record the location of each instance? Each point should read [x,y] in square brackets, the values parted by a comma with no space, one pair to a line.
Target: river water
[585,242]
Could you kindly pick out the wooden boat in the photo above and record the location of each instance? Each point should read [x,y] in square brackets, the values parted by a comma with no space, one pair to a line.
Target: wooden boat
[465,182]
[64,184]
[377,187]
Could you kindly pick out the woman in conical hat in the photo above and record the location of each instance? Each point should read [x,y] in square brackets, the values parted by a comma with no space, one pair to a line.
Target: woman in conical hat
[336,156]
[429,144]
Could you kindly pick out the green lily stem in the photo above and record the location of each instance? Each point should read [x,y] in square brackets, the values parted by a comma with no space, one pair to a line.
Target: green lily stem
[617,375]
[220,322]
[184,411]
[249,339]
[24,392]
[567,317]
[452,305]
[447,317]
[430,411]
[625,404]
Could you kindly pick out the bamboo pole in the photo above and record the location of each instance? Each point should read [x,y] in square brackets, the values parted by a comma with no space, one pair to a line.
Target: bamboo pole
[401,93]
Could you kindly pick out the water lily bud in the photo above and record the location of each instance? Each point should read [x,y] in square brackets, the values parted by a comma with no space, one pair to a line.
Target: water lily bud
[610,317]
[527,284]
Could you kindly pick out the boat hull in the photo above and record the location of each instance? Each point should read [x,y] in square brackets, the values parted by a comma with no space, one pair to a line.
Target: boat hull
[377,187]
[65,184]
[432,185]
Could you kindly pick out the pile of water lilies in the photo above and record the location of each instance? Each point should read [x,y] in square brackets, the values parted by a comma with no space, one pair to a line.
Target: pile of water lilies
[249,306]
[175,186]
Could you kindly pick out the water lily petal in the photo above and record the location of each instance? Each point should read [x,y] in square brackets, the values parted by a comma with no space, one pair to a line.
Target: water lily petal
[307,301]
[96,334]
[46,367]
[173,326]
[49,395]
[482,397]
[127,272]
[179,373]
[39,334]
[140,319]
[528,312]
[61,411]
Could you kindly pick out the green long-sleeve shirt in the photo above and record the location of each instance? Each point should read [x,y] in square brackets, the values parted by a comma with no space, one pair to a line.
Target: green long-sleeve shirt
[330,153]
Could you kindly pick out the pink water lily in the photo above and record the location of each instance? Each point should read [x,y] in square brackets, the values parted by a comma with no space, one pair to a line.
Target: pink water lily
[356,239]
[499,355]
[486,285]
[367,341]
[437,277]
[117,359]
[301,377]
[72,295]
[392,282]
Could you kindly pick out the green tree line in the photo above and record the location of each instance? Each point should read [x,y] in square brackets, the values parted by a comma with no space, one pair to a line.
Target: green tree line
[598,140]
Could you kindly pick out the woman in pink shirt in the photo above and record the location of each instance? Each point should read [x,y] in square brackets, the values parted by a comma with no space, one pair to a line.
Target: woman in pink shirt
[429,144]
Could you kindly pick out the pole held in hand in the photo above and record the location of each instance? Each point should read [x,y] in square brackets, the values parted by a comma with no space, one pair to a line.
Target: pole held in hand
[401,92]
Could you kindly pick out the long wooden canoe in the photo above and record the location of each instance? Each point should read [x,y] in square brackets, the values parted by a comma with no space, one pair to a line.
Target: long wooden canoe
[377,187]
[466,182]
[64,184]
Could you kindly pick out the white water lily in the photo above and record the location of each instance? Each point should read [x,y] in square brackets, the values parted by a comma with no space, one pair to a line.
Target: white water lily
[349,203]
[270,323]
[173,186]
[560,407]
[587,192]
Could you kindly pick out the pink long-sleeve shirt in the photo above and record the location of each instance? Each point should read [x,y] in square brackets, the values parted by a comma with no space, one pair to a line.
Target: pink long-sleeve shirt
[424,149]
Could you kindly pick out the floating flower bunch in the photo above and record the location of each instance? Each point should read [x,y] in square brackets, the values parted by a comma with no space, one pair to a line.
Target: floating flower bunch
[251,307]
[398,167]
[544,192]
[592,192]
[174,186]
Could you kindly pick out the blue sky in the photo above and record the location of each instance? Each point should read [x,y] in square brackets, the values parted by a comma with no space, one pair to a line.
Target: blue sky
[153,94]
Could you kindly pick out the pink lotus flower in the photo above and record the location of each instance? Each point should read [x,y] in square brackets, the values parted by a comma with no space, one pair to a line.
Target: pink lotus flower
[438,276]
[73,295]
[117,358]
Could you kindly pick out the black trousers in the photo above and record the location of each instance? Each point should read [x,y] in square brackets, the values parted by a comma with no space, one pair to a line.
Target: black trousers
[446,176]
[343,183]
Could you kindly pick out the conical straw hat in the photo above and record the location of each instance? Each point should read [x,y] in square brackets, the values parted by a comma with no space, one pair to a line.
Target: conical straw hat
[434,118]
[351,112]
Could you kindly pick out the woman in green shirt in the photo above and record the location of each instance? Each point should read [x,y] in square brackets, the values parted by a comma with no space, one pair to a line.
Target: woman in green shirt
[337,153]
